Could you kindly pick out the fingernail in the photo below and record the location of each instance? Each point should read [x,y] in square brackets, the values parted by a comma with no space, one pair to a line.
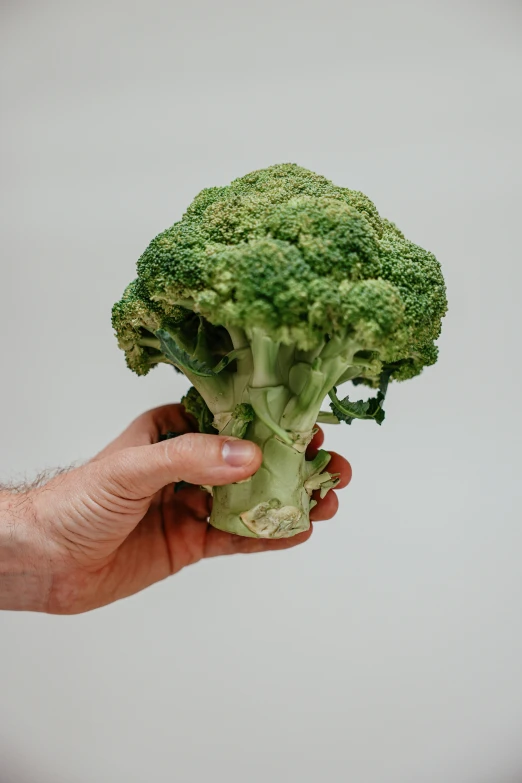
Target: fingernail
[238,452]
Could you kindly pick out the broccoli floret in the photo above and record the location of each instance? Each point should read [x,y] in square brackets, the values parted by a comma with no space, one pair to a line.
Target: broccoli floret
[268,294]
[194,404]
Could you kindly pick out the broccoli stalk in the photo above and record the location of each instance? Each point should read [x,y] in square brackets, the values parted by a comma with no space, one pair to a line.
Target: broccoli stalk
[268,295]
[280,404]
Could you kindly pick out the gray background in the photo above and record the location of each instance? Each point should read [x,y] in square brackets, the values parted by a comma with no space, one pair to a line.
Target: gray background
[389,648]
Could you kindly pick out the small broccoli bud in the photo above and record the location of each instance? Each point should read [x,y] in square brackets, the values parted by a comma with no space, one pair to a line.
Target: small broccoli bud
[242,416]
[194,404]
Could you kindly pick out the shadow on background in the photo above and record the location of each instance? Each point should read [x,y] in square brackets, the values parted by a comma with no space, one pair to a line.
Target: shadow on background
[14,768]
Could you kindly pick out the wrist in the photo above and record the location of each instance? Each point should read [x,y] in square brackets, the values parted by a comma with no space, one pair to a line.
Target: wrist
[25,582]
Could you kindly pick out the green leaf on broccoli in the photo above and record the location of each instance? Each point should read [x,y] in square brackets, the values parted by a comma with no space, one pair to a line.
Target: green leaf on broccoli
[181,358]
[348,411]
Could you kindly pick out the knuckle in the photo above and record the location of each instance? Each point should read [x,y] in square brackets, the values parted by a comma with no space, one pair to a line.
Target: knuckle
[186,448]
[114,474]
[141,422]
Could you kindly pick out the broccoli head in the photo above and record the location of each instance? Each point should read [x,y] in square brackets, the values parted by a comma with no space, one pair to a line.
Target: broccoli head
[268,294]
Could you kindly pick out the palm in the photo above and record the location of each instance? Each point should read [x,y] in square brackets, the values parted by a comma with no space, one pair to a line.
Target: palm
[173,533]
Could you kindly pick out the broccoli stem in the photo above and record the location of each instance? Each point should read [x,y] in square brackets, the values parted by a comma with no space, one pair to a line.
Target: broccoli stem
[272,397]
[265,353]
[274,503]
[150,342]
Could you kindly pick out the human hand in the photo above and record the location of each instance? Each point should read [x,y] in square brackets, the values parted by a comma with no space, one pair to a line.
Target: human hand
[115,525]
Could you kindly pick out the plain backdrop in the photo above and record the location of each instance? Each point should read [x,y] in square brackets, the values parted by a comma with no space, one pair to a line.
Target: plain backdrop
[388,649]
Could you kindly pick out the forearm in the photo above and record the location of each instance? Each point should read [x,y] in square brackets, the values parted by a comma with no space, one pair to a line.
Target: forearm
[25,581]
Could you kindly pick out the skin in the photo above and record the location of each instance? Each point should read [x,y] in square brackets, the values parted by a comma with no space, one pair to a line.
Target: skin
[114,526]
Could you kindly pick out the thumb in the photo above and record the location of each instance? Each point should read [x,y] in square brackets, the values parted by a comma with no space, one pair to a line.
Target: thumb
[141,471]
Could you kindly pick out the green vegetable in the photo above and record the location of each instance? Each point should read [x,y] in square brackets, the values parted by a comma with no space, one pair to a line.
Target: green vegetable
[268,295]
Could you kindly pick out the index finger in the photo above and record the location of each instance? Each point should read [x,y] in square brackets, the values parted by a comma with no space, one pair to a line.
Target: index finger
[338,464]
[148,427]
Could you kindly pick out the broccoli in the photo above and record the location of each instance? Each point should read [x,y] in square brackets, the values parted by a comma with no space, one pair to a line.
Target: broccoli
[269,294]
